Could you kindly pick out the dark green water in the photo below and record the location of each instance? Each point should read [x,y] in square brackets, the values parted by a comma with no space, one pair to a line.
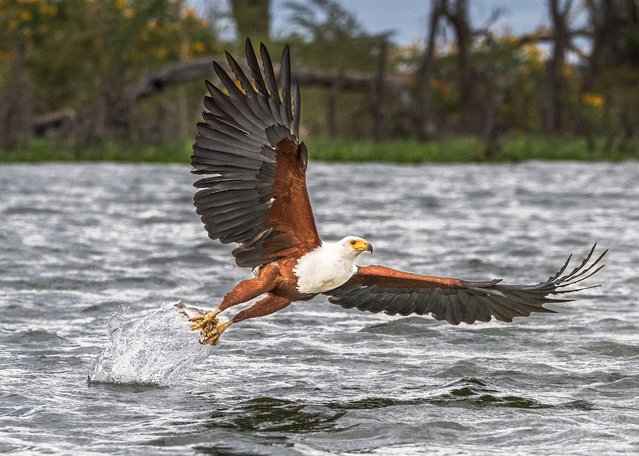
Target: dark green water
[82,243]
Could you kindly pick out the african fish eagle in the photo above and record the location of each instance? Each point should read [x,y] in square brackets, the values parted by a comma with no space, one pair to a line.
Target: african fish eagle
[253,193]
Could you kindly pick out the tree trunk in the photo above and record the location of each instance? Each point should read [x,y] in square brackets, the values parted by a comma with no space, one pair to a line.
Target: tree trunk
[492,100]
[16,109]
[377,98]
[252,18]
[331,105]
[458,17]
[609,21]
[425,74]
[554,80]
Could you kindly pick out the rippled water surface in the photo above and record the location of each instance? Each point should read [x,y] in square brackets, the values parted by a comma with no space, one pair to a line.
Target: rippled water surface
[93,257]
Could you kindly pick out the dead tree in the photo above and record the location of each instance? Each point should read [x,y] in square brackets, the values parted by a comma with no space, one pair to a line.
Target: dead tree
[331,104]
[494,81]
[422,117]
[377,92]
[252,18]
[16,107]
[554,80]
[457,15]
[179,73]
[612,58]
[609,35]
[395,87]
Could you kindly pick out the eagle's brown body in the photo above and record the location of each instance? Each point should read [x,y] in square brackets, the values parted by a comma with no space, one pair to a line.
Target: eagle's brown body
[276,280]
[254,194]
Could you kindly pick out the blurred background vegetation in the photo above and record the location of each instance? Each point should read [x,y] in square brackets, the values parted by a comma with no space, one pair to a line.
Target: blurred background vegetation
[123,80]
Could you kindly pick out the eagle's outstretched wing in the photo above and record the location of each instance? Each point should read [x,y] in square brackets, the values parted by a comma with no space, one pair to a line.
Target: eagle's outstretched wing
[377,288]
[248,147]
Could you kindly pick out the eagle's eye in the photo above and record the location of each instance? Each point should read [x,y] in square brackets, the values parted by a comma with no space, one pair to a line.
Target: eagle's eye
[353,242]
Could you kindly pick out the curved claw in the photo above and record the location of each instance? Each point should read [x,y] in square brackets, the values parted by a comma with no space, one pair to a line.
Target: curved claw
[212,337]
[206,322]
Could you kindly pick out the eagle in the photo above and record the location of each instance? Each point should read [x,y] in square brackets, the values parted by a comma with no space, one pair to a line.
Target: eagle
[253,193]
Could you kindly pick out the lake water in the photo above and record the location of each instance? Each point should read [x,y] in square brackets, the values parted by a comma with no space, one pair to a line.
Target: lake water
[93,257]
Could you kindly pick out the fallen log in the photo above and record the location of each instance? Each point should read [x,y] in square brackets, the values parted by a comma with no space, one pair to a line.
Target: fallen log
[54,119]
[182,72]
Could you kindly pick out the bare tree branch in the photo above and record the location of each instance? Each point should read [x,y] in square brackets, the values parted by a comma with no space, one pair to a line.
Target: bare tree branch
[182,72]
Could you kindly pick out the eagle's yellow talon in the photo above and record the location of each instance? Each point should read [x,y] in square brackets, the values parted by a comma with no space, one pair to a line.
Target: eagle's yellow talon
[210,327]
[212,336]
[206,322]
[200,323]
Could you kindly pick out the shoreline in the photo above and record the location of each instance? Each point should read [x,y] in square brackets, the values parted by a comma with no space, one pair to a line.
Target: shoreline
[450,150]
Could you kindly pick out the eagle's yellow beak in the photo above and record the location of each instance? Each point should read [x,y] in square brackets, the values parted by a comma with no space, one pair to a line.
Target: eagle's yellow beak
[362,246]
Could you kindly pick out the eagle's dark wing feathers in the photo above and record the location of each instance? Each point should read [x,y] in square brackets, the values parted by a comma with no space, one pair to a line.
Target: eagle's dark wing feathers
[254,189]
[377,288]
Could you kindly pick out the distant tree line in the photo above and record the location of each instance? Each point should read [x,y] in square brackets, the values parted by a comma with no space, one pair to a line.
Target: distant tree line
[89,71]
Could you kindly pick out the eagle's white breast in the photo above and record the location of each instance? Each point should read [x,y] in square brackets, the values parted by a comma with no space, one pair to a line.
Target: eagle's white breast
[325,268]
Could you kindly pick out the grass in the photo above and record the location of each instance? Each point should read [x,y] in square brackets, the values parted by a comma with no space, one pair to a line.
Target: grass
[43,151]
[464,150]
[454,150]
[451,150]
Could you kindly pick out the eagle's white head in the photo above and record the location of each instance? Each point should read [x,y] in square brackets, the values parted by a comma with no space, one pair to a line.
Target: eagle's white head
[330,265]
[352,246]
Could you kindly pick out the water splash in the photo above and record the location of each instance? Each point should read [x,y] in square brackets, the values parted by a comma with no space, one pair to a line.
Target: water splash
[156,348]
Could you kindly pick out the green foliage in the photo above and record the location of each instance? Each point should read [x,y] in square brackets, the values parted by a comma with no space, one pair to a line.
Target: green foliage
[83,54]
[252,18]
[465,150]
[452,150]
[80,50]
[325,35]
[544,148]
[43,151]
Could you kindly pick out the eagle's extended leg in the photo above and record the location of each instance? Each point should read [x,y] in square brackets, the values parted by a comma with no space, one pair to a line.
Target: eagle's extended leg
[272,303]
[248,289]
[244,291]
[266,306]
